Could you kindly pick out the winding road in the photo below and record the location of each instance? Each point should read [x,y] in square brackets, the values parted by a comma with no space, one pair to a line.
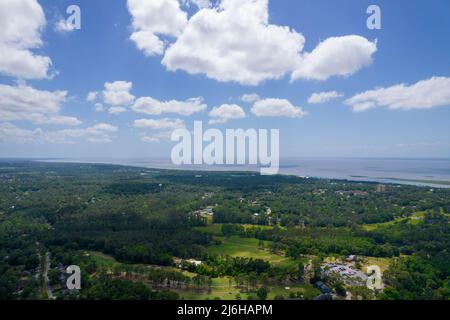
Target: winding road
[46,279]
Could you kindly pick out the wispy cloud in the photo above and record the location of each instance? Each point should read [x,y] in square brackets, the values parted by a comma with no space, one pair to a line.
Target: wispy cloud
[99,133]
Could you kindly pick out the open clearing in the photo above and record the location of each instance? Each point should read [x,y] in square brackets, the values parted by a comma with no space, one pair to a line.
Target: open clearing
[101,258]
[249,248]
[223,289]
[415,218]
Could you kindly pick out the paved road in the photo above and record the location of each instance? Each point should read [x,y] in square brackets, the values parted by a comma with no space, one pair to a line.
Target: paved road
[46,279]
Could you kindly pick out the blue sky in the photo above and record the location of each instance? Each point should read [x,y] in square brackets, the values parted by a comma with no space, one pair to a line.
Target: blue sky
[412,48]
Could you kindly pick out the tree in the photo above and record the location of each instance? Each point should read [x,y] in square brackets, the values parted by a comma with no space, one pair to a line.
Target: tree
[301,272]
[262,293]
[340,289]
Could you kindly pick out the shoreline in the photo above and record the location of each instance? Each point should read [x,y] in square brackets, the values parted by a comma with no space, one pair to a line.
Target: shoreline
[164,165]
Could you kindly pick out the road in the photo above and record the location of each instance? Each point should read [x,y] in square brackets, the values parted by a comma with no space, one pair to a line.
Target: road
[46,279]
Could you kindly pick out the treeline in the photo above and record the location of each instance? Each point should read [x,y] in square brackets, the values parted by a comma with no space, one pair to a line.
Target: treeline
[105,288]
[219,266]
[130,238]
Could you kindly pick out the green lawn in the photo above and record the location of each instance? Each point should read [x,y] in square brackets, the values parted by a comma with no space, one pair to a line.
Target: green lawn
[415,218]
[308,291]
[249,248]
[383,263]
[101,258]
[246,226]
[221,289]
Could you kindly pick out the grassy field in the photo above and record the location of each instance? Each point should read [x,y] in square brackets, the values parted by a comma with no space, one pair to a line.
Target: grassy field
[383,263]
[415,218]
[101,258]
[308,291]
[249,248]
[224,287]
[221,289]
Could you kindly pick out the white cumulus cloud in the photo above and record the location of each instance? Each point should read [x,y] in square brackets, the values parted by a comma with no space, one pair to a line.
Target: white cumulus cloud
[151,106]
[9,133]
[23,102]
[61,26]
[159,124]
[425,94]
[277,108]
[118,93]
[234,41]
[250,97]
[21,24]
[336,56]
[155,18]
[161,128]
[99,133]
[226,112]
[92,96]
[322,97]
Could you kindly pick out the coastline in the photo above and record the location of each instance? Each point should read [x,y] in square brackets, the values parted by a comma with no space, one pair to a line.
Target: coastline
[288,169]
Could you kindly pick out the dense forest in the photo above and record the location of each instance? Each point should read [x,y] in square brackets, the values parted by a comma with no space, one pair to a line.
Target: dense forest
[157,234]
